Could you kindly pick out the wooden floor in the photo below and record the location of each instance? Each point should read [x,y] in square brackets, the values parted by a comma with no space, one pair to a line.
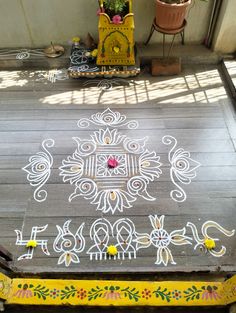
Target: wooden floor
[193,108]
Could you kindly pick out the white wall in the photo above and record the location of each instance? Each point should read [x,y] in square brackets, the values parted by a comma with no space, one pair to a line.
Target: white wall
[225,36]
[35,23]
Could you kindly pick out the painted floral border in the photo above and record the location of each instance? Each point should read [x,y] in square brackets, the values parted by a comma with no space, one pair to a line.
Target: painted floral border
[113,293]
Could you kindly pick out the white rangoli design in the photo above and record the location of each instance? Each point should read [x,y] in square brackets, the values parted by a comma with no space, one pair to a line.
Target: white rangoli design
[39,169]
[110,189]
[108,118]
[161,239]
[68,244]
[123,235]
[78,57]
[120,234]
[33,237]
[200,242]
[183,168]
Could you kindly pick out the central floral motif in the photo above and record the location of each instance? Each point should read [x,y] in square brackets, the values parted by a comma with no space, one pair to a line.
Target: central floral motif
[161,240]
[108,165]
[110,169]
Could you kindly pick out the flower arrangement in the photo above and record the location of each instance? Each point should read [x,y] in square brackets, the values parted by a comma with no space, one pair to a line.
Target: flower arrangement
[116,9]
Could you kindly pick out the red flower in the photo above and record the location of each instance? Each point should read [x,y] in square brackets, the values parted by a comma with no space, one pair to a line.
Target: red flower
[81,294]
[146,294]
[100,10]
[112,163]
[116,19]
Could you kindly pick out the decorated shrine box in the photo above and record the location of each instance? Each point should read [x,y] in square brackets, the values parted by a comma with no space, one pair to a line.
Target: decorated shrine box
[116,41]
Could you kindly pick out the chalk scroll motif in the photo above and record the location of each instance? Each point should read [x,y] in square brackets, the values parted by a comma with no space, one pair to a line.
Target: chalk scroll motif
[206,235]
[110,189]
[69,244]
[108,118]
[33,237]
[120,234]
[183,168]
[39,170]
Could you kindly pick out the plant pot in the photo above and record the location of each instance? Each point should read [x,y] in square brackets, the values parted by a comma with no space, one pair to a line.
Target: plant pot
[171,16]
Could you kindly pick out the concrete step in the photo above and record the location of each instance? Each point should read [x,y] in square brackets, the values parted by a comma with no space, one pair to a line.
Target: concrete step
[34,59]
[229,70]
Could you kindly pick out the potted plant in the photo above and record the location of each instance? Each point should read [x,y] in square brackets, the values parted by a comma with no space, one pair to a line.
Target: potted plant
[170,14]
[116,7]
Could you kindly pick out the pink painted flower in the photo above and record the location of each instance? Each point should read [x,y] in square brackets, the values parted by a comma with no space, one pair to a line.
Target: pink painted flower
[210,293]
[112,163]
[112,295]
[23,292]
[116,19]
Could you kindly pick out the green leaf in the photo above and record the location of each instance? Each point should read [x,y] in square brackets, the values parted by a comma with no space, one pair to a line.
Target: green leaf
[162,296]
[198,296]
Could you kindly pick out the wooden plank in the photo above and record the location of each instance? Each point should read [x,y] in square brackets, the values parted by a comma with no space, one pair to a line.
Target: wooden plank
[4,265]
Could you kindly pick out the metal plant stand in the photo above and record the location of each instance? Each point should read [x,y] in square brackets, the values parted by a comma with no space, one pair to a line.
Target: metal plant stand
[165,32]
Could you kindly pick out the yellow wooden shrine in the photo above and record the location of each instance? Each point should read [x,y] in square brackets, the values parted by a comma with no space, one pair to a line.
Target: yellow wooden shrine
[116,41]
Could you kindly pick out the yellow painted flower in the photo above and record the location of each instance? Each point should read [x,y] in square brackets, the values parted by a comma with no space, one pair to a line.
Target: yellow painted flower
[31,244]
[112,250]
[76,39]
[94,53]
[209,243]
[116,49]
